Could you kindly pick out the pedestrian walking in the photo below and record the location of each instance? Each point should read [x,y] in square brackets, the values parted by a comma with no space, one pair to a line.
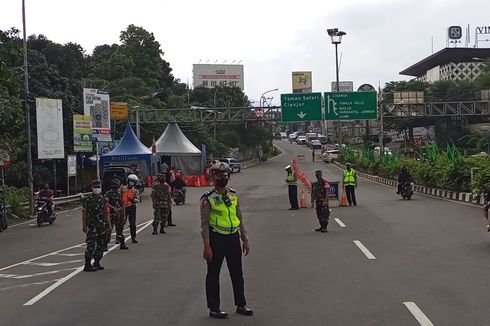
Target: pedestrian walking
[95,224]
[313,155]
[292,181]
[118,218]
[131,196]
[349,182]
[162,202]
[319,199]
[221,229]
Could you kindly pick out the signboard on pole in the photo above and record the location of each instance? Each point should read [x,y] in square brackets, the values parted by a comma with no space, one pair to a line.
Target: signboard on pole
[344,86]
[119,111]
[82,133]
[71,162]
[4,158]
[49,118]
[96,105]
[351,106]
[302,82]
[301,107]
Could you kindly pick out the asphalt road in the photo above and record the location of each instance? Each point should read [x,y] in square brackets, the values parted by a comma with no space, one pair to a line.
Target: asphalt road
[392,262]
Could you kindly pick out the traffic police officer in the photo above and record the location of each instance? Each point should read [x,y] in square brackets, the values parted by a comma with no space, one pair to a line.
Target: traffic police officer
[350,184]
[221,230]
[96,222]
[291,180]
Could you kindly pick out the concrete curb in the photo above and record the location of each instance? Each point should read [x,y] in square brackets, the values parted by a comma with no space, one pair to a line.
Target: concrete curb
[465,197]
[248,164]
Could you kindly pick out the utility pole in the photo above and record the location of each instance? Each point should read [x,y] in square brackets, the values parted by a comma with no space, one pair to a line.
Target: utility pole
[30,179]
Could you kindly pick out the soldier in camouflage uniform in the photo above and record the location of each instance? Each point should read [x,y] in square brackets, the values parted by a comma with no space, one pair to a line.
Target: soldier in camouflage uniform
[161,197]
[319,198]
[113,198]
[96,222]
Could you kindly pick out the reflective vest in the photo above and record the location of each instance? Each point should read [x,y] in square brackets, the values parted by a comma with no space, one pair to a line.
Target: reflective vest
[291,178]
[349,177]
[222,218]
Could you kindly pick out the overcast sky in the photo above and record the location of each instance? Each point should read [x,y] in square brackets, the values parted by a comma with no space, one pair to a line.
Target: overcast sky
[272,38]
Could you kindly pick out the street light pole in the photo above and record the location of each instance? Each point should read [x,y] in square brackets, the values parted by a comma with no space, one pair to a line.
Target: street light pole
[262,96]
[30,179]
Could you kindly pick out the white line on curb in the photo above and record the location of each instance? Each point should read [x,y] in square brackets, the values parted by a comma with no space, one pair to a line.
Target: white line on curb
[74,273]
[365,250]
[339,222]
[418,314]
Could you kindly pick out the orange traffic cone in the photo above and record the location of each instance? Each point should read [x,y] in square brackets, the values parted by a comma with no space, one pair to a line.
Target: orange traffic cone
[302,203]
[198,182]
[343,200]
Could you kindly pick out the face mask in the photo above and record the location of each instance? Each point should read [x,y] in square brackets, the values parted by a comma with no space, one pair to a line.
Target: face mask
[130,184]
[97,191]
[221,182]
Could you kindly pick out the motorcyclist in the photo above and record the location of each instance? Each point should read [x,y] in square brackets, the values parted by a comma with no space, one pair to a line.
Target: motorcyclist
[179,183]
[47,195]
[404,176]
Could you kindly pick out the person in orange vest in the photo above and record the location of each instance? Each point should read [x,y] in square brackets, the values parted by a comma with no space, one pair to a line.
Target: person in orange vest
[131,196]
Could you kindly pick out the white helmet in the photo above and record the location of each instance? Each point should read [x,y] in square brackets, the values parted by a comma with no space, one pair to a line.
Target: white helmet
[133,177]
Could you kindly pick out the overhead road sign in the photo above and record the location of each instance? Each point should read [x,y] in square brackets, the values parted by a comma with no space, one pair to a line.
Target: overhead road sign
[301,107]
[351,106]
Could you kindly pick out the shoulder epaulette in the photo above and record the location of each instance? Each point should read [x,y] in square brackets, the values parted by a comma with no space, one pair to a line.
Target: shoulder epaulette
[208,193]
[232,190]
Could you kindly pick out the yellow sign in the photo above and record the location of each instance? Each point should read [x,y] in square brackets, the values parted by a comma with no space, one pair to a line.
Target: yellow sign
[302,82]
[301,157]
[119,111]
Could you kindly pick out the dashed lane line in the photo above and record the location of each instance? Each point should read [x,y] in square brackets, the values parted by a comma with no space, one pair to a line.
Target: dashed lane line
[365,250]
[24,285]
[339,222]
[418,314]
[75,272]
[53,264]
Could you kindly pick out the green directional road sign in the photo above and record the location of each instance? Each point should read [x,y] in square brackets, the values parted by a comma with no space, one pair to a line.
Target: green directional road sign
[301,107]
[351,106]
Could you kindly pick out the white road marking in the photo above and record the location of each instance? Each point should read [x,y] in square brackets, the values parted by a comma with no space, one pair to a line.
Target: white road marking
[339,222]
[418,314]
[365,250]
[71,255]
[75,272]
[24,285]
[19,277]
[53,264]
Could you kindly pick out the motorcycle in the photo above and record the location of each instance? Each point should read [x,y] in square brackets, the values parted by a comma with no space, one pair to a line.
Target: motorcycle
[42,212]
[407,190]
[178,196]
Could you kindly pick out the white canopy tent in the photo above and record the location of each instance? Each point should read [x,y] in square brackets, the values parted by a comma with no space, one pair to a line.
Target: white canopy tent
[174,145]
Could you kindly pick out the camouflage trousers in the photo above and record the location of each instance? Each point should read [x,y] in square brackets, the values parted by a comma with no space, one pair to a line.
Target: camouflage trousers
[118,220]
[95,244]
[322,213]
[160,217]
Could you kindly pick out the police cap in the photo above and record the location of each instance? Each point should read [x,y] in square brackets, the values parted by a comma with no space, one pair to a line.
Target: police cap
[220,167]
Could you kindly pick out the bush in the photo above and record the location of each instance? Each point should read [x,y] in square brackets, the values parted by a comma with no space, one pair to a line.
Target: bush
[15,197]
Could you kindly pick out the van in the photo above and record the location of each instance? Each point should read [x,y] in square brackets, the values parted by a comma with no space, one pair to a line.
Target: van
[309,137]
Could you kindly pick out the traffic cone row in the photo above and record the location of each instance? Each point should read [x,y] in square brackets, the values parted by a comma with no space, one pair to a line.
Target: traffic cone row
[302,202]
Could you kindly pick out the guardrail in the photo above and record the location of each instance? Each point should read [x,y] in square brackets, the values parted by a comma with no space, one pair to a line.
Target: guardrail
[60,200]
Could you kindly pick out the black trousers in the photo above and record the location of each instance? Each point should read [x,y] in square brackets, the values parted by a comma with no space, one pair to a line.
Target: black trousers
[169,217]
[293,196]
[225,246]
[350,192]
[131,215]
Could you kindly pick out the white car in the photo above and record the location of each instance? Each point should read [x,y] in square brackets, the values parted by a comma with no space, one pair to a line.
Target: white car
[377,151]
[315,144]
[331,155]
[301,140]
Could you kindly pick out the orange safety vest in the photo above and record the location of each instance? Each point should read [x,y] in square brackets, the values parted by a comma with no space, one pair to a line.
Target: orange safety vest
[126,195]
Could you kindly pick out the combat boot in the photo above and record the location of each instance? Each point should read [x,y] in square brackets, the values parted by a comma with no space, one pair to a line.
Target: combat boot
[88,266]
[97,265]
[155,230]
[123,245]
[162,229]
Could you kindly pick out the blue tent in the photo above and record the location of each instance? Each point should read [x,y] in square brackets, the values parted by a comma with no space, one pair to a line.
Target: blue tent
[130,149]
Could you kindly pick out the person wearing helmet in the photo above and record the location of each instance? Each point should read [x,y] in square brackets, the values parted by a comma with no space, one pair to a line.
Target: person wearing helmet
[118,218]
[404,176]
[130,196]
[162,201]
[221,229]
[349,182]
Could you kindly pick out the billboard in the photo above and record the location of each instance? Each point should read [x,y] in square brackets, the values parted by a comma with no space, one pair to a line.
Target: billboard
[302,82]
[344,86]
[49,118]
[82,133]
[119,111]
[213,75]
[96,104]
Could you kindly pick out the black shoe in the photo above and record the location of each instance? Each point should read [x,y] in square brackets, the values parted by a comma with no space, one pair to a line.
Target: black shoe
[134,241]
[154,231]
[88,266]
[398,192]
[97,266]
[355,204]
[218,314]
[106,249]
[171,224]
[318,229]
[123,246]
[244,310]
[295,209]
[323,230]
[117,241]
[162,231]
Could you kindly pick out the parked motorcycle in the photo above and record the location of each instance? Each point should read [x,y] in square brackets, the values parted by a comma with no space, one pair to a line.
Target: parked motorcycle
[43,213]
[178,196]
[407,190]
